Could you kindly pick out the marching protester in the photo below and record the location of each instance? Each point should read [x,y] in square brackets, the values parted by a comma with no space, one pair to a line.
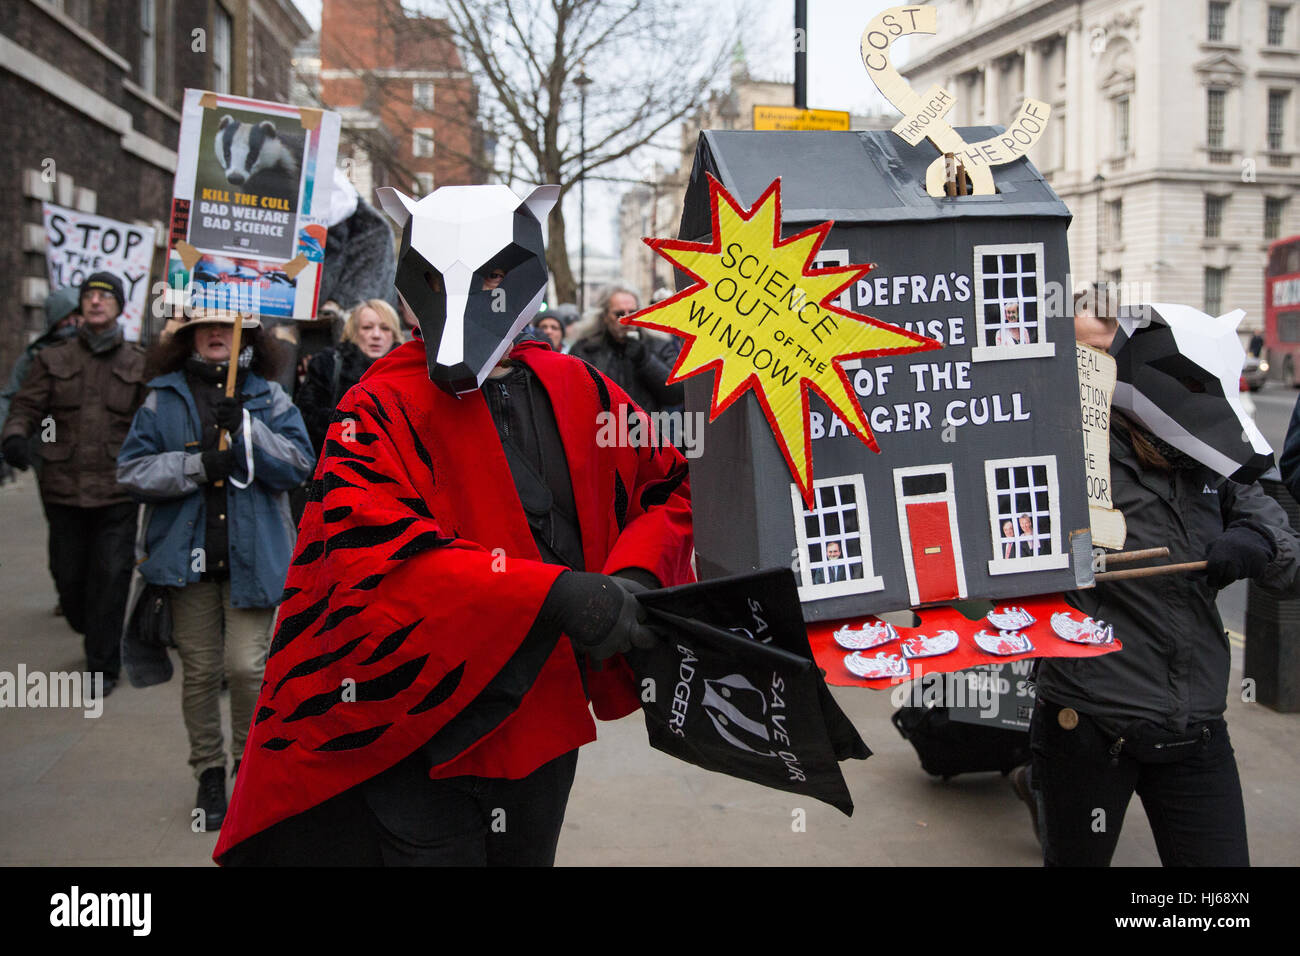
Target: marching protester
[371,331]
[78,398]
[551,327]
[463,520]
[218,532]
[1150,718]
[639,363]
[62,319]
[1289,462]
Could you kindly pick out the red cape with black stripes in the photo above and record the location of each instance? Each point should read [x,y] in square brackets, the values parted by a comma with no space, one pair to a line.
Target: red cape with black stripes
[415,582]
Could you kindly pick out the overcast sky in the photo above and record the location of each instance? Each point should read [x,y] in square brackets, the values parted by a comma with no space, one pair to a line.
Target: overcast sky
[836,80]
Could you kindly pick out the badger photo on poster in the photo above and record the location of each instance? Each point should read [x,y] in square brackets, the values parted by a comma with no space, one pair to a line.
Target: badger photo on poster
[246,183]
[253,183]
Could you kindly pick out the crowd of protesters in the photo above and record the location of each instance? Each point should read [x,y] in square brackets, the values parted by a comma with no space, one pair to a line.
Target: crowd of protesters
[123,439]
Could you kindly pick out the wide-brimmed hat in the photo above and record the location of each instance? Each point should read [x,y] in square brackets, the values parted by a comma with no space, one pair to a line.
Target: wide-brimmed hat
[216,317]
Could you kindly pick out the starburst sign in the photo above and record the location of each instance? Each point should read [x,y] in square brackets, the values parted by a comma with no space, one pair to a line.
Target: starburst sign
[762,318]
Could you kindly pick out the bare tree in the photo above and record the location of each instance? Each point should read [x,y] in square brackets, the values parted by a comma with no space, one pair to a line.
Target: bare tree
[650,62]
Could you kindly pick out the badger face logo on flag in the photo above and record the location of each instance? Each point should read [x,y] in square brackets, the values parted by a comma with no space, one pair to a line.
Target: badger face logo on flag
[745,698]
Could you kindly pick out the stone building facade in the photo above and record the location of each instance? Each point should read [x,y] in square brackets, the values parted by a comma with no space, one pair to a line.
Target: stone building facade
[1173,139]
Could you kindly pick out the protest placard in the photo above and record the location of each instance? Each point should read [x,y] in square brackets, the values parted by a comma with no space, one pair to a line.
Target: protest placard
[79,244]
[253,183]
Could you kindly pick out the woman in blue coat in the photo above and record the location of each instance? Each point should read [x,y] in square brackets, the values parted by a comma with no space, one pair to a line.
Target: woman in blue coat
[218,530]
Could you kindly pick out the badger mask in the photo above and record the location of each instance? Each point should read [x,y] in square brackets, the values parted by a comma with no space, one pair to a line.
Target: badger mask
[1179,374]
[452,241]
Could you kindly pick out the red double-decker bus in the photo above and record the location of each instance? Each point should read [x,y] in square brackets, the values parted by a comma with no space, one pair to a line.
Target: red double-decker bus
[1282,310]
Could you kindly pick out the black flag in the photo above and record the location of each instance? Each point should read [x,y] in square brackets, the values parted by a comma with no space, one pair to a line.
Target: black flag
[736,690]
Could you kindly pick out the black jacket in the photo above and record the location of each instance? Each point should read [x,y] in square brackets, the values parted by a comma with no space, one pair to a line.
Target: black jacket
[1289,463]
[317,397]
[639,366]
[1173,668]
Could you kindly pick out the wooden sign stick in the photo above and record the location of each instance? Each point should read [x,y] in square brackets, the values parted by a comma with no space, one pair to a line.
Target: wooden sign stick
[1151,572]
[1124,557]
[224,442]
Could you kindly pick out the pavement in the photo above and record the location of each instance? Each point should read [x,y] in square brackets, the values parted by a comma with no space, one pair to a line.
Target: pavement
[115,790]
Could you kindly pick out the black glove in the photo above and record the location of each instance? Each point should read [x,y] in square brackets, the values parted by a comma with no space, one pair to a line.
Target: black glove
[17,453]
[1240,552]
[218,465]
[230,413]
[600,613]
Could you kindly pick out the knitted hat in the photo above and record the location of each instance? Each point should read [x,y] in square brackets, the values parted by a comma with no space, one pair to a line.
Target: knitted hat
[106,282]
[60,304]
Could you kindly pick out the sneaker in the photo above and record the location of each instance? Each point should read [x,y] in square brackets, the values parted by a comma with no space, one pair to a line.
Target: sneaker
[211,798]
[1020,784]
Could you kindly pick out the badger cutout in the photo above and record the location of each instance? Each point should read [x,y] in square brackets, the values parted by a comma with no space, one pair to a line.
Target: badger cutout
[453,240]
[1178,375]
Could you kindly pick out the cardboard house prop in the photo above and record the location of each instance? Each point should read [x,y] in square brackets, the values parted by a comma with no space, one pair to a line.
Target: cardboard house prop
[978,490]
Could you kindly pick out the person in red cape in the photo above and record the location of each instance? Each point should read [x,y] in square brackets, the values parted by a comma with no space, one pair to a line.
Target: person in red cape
[461,592]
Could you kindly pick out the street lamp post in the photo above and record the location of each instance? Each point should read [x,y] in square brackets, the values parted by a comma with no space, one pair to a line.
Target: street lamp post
[582,81]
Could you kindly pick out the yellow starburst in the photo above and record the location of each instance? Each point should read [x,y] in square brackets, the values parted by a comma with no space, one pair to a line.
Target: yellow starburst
[761,317]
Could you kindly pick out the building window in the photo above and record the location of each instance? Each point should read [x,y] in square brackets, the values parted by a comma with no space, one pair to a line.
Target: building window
[1215,279]
[1277,103]
[1218,21]
[148,72]
[422,95]
[1276,25]
[1024,515]
[424,183]
[834,539]
[1214,216]
[1009,303]
[221,30]
[1122,138]
[422,143]
[1274,209]
[1114,226]
[1214,118]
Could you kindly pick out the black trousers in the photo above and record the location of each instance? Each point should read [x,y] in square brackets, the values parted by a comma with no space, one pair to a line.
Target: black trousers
[469,821]
[91,554]
[1190,791]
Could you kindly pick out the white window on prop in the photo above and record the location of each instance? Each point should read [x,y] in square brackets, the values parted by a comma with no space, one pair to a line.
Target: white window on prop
[1024,515]
[834,539]
[1009,303]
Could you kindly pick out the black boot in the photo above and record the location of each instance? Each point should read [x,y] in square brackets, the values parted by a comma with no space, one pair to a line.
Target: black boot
[211,797]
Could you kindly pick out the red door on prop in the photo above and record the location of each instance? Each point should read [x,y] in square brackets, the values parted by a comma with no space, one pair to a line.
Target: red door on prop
[932,554]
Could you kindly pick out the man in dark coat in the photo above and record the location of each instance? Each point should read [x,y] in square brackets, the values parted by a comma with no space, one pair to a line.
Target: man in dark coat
[79,397]
[640,364]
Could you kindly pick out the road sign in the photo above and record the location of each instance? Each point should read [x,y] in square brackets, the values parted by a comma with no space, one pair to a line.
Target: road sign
[792,118]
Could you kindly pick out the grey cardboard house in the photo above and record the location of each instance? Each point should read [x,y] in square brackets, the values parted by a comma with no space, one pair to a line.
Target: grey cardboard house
[978,490]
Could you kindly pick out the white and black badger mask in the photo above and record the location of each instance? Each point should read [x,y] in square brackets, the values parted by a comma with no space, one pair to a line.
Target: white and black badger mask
[1179,373]
[452,241]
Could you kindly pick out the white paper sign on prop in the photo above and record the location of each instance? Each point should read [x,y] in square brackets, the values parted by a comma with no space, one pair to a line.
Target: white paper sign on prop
[923,114]
[249,206]
[79,244]
[1096,388]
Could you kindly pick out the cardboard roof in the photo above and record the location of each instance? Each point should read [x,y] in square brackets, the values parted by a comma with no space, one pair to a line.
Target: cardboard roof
[861,176]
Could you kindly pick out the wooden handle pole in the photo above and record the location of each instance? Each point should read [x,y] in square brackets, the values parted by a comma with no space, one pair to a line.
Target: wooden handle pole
[1124,557]
[232,372]
[1150,572]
